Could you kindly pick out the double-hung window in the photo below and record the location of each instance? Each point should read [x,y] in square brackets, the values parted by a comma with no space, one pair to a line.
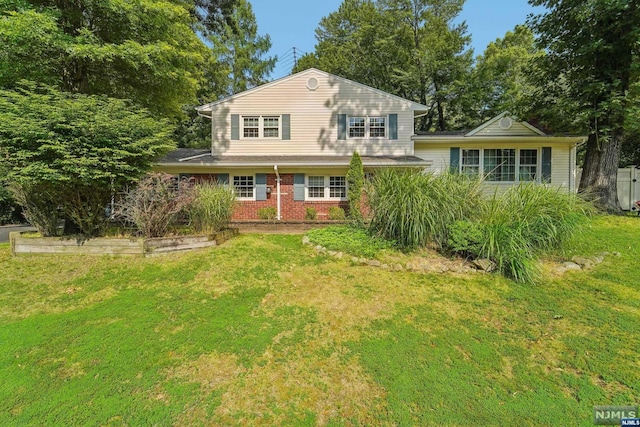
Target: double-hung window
[243,186]
[367,127]
[326,187]
[261,126]
[501,164]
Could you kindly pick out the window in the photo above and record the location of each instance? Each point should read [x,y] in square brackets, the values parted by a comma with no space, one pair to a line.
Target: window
[316,187]
[261,126]
[326,187]
[271,127]
[377,127]
[251,127]
[337,186]
[367,127]
[470,162]
[500,164]
[528,165]
[356,127]
[243,186]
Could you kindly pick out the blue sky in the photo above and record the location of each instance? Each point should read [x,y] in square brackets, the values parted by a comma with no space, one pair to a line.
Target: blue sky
[293,22]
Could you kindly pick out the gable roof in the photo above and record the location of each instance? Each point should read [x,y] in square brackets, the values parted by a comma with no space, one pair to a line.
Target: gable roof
[210,106]
[523,128]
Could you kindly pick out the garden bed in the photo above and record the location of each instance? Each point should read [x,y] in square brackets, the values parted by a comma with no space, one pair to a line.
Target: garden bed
[134,246]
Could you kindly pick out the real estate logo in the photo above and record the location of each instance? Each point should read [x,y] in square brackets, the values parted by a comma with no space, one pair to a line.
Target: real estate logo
[615,415]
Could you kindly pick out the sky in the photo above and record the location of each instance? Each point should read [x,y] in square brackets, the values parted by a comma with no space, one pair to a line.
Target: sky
[292,23]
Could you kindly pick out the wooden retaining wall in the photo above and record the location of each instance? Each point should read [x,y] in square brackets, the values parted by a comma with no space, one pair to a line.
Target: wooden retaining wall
[114,246]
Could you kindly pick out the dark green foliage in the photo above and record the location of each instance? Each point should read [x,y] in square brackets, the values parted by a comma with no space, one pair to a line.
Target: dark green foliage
[415,208]
[79,148]
[355,182]
[310,214]
[268,213]
[10,211]
[350,239]
[211,207]
[336,214]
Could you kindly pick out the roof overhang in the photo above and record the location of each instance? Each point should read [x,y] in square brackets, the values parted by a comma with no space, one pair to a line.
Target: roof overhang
[204,159]
[484,140]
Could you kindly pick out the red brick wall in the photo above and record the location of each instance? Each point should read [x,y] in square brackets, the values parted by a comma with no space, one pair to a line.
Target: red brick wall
[289,209]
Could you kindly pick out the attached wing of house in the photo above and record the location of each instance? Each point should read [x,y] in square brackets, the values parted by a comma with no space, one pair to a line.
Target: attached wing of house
[287,144]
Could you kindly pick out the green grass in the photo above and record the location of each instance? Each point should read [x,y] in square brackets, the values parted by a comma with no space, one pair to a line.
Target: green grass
[351,239]
[264,331]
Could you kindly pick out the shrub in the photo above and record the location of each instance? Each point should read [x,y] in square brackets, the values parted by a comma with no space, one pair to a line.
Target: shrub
[355,181]
[39,206]
[310,214]
[523,223]
[414,208]
[353,240]
[268,213]
[153,205]
[465,237]
[211,208]
[336,213]
[10,211]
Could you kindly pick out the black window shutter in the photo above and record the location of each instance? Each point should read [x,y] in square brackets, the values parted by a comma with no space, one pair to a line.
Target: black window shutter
[223,178]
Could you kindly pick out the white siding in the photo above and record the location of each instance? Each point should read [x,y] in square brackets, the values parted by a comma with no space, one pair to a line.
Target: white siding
[516,129]
[314,128]
[562,160]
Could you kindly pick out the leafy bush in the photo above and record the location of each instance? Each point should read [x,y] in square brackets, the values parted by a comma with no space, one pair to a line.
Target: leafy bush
[211,208]
[353,240]
[10,211]
[153,205]
[465,237]
[310,214]
[336,214]
[414,208]
[268,213]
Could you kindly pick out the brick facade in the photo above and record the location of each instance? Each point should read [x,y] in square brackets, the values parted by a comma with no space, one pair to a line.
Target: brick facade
[290,210]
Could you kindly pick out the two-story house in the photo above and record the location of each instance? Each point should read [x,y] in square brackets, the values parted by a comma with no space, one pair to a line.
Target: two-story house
[287,144]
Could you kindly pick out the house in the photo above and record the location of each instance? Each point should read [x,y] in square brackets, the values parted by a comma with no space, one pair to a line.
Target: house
[287,144]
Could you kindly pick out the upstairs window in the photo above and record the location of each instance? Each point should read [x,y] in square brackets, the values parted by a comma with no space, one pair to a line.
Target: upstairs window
[367,127]
[261,126]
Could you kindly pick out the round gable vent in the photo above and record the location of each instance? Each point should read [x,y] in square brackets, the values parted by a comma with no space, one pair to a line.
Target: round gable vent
[506,123]
[312,83]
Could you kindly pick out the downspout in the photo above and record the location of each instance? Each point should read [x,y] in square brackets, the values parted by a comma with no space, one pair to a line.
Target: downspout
[275,168]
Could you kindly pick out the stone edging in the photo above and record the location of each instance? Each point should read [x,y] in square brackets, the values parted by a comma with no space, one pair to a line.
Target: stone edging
[583,263]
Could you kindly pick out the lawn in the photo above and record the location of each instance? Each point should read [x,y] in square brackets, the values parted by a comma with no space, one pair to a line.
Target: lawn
[265,331]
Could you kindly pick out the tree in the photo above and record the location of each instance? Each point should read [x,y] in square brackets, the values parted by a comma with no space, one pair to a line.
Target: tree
[590,47]
[144,50]
[236,63]
[499,80]
[74,150]
[410,48]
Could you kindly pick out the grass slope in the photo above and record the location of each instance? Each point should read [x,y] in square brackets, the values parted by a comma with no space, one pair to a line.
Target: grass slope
[264,331]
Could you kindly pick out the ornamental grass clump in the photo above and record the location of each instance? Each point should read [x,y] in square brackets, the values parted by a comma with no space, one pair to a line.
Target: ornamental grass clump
[211,208]
[516,227]
[414,208]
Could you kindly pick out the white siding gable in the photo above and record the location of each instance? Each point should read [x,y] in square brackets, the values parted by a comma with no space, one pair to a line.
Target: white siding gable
[313,117]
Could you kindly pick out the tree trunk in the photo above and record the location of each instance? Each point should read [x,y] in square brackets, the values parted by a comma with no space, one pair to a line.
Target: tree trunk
[600,172]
